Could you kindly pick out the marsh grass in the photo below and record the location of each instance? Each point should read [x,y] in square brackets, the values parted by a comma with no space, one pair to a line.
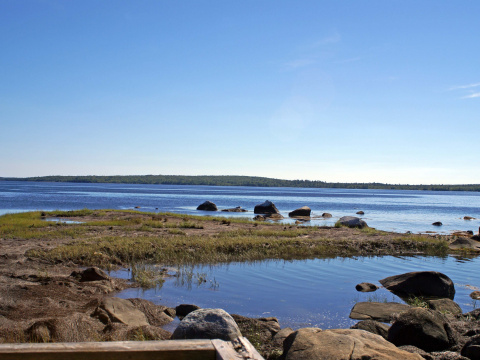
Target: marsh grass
[109,238]
[148,276]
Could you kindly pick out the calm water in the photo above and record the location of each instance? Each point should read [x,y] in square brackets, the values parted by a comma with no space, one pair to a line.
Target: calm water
[389,210]
[317,292]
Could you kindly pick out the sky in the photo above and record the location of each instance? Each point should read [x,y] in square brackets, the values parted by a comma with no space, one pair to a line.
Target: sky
[340,91]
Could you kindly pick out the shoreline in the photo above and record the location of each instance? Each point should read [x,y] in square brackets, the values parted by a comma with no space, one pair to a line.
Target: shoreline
[38,257]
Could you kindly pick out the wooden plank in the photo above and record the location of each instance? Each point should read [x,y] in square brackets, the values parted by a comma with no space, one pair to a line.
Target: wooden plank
[115,350]
[240,349]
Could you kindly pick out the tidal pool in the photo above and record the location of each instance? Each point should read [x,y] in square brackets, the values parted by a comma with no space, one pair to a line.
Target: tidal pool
[301,293]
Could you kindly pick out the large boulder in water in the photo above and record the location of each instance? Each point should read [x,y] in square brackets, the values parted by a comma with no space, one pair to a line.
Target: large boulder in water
[207,206]
[420,283]
[267,207]
[352,222]
[341,344]
[207,324]
[424,328]
[303,211]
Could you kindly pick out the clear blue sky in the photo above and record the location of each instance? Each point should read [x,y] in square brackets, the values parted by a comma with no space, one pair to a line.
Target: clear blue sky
[385,91]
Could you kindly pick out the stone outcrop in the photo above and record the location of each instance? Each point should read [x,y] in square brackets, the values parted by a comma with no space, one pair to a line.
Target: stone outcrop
[352,222]
[119,310]
[303,211]
[384,312]
[420,283]
[207,324]
[366,287]
[267,207]
[312,343]
[372,326]
[424,328]
[445,306]
[207,206]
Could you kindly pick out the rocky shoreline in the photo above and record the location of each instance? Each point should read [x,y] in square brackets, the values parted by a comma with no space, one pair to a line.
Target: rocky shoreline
[45,300]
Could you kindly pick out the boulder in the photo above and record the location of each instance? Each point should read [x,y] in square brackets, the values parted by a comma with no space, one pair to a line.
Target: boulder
[120,310]
[366,287]
[341,344]
[471,349]
[262,328]
[424,328]
[303,211]
[280,337]
[437,223]
[420,283]
[468,218]
[372,326]
[235,209]
[207,206]
[274,216]
[383,312]
[444,306]
[266,208]
[352,222]
[90,274]
[183,310]
[360,212]
[207,324]
[259,218]
[326,215]
[464,243]
[156,314]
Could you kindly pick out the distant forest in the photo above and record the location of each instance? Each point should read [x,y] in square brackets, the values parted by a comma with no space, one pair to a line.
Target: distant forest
[212,180]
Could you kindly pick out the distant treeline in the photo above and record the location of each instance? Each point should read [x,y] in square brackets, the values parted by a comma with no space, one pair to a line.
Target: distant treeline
[227,180]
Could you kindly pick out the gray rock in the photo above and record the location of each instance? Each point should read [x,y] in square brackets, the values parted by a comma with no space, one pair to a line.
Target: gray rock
[303,211]
[366,287]
[326,215]
[420,283]
[444,306]
[437,223]
[259,218]
[341,344]
[372,326]
[383,312]
[207,324]
[157,315]
[266,208]
[207,206]
[352,222]
[120,310]
[274,216]
[424,328]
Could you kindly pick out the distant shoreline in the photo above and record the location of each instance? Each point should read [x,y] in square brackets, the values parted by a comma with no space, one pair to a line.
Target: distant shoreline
[229,180]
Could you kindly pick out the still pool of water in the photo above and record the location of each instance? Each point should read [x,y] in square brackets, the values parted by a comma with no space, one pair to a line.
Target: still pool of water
[302,293]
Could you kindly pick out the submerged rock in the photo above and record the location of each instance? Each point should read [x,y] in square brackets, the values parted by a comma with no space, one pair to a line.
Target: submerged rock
[235,209]
[420,283]
[366,287]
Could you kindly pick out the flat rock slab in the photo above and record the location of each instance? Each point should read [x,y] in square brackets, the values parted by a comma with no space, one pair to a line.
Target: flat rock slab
[340,344]
[465,243]
[123,311]
[377,311]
